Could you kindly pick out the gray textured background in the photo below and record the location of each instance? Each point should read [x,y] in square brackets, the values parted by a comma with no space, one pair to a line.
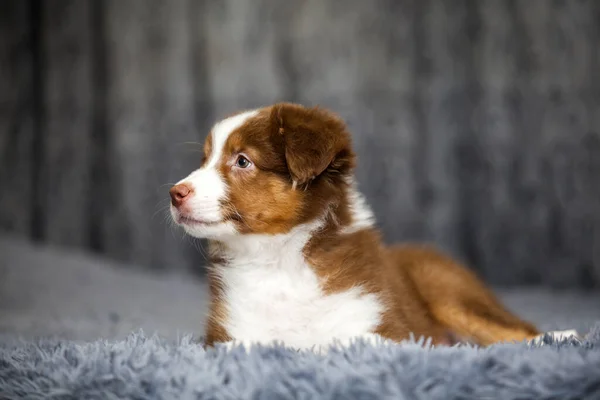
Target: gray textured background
[477,123]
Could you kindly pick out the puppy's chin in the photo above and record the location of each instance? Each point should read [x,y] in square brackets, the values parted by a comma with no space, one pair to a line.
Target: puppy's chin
[203,229]
[219,230]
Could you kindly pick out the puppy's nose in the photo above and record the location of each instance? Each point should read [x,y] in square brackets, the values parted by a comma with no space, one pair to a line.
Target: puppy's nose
[179,193]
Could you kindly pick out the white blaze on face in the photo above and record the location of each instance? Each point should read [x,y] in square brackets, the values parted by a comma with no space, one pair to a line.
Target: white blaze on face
[210,189]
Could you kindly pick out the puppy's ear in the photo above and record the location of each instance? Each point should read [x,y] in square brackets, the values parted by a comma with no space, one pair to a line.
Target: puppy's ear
[316,141]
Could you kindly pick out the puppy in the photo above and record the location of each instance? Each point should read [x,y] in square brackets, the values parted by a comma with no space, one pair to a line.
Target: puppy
[295,254]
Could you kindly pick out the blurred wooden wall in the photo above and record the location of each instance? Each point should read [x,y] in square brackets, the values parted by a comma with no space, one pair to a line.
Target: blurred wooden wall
[477,122]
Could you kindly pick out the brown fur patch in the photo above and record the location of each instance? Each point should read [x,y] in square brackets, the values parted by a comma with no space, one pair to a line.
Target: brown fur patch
[314,140]
[260,198]
[457,298]
[215,331]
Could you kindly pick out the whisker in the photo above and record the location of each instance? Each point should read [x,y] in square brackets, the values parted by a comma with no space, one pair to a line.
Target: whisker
[172,230]
[197,243]
[178,144]
[191,241]
[193,143]
[168,220]
[160,206]
[163,200]
[196,147]
[162,209]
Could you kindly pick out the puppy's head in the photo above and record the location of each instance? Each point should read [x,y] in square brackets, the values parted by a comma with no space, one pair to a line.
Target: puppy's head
[265,172]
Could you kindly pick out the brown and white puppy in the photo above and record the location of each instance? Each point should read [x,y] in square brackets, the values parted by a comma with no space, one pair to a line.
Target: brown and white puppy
[295,254]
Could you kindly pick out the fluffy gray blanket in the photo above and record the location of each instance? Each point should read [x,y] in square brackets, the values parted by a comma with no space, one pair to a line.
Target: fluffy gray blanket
[142,367]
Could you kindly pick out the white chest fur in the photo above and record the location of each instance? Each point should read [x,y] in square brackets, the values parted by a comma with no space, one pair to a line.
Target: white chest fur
[272,294]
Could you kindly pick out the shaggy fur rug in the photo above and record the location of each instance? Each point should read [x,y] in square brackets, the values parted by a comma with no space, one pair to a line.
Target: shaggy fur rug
[142,367]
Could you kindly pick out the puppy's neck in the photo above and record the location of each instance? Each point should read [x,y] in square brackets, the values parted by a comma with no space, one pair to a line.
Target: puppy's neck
[268,249]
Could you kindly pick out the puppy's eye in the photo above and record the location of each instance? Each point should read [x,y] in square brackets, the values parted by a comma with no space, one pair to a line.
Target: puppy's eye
[242,162]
